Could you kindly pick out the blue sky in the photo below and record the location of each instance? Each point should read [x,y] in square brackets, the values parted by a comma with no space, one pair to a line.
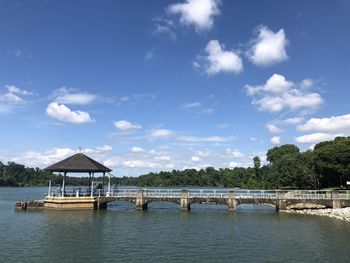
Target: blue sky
[159,85]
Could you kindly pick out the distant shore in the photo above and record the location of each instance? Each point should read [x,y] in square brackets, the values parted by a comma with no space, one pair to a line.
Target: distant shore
[341,213]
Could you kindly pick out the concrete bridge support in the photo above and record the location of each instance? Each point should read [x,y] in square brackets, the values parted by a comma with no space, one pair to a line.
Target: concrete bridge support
[335,200]
[231,201]
[281,202]
[185,204]
[141,200]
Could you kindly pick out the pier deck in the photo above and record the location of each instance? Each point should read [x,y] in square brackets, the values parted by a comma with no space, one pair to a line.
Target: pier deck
[281,200]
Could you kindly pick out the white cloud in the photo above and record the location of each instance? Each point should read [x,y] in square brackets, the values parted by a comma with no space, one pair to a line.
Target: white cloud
[126,126]
[276,140]
[65,114]
[164,26]
[191,105]
[233,153]
[334,124]
[195,139]
[140,164]
[218,60]
[76,98]
[137,149]
[66,95]
[268,48]
[163,158]
[276,84]
[307,83]
[104,148]
[196,159]
[11,98]
[293,121]
[234,164]
[203,153]
[278,94]
[273,128]
[16,90]
[324,129]
[150,53]
[161,134]
[33,158]
[199,13]
[316,137]
[13,95]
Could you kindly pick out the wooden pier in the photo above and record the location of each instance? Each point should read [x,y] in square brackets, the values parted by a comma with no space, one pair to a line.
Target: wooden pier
[95,199]
[281,200]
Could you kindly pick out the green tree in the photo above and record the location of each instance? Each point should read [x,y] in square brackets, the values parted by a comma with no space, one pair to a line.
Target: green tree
[332,161]
[257,164]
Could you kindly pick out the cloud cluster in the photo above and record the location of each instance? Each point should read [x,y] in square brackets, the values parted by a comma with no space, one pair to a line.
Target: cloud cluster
[324,129]
[276,140]
[160,134]
[126,125]
[191,105]
[139,160]
[217,60]
[278,94]
[197,13]
[272,128]
[14,95]
[268,48]
[156,160]
[68,96]
[65,114]
[46,158]
[164,26]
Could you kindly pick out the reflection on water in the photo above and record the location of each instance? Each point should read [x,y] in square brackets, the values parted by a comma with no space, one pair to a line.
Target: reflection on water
[165,234]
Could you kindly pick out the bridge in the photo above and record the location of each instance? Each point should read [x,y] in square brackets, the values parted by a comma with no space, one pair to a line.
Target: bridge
[280,199]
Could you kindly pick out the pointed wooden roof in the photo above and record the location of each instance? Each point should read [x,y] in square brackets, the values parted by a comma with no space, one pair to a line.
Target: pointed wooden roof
[78,163]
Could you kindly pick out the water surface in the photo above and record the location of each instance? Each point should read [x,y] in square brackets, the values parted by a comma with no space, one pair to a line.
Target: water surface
[208,233]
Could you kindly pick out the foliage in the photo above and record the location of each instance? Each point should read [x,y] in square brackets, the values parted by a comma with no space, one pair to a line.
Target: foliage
[332,161]
[326,166]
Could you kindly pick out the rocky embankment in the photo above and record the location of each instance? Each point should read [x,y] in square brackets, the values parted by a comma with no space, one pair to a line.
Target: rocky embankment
[341,214]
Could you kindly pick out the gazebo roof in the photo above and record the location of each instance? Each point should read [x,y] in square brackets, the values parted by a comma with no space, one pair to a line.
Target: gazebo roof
[78,163]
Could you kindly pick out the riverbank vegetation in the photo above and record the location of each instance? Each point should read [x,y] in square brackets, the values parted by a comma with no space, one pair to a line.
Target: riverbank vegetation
[328,165]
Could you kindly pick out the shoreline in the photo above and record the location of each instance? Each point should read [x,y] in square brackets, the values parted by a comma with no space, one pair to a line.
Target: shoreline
[337,213]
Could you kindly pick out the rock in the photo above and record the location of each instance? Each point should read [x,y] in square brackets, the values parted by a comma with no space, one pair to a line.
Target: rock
[301,206]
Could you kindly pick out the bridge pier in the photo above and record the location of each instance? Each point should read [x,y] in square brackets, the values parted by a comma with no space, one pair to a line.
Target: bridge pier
[141,200]
[231,200]
[281,203]
[336,203]
[185,204]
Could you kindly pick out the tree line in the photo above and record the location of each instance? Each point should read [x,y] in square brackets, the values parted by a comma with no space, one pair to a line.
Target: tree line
[327,165]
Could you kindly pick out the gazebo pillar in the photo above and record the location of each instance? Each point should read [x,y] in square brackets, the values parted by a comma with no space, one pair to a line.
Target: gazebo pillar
[89,180]
[64,183]
[103,180]
[92,183]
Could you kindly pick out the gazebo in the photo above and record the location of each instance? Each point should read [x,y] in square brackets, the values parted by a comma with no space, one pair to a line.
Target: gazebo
[78,163]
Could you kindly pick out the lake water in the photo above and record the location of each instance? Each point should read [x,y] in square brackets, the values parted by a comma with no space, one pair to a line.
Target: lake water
[208,233]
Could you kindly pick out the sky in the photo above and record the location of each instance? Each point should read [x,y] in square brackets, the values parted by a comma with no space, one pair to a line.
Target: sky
[145,86]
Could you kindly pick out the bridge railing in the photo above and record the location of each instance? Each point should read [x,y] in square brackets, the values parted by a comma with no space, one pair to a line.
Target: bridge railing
[132,192]
[164,193]
[205,193]
[256,194]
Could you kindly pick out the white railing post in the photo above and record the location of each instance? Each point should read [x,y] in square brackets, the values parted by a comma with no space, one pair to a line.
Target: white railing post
[63,187]
[92,188]
[109,185]
[49,194]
